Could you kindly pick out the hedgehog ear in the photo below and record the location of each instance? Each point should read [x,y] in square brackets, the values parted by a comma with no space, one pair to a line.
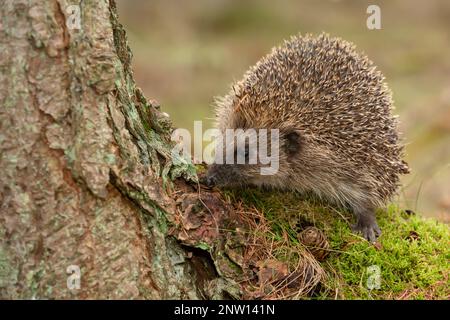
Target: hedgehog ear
[292,143]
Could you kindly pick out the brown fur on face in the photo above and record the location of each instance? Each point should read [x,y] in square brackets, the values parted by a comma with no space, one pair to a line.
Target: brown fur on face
[333,109]
[235,174]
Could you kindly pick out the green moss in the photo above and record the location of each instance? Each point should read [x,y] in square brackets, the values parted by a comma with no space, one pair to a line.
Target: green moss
[412,255]
[413,259]
[203,246]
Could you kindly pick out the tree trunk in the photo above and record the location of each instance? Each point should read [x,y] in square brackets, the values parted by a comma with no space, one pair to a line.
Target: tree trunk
[85,162]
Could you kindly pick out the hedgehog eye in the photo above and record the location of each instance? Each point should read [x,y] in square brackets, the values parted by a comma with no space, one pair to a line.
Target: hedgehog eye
[242,151]
[292,143]
[246,153]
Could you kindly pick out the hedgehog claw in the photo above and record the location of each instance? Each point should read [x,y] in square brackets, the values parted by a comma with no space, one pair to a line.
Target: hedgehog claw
[368,229]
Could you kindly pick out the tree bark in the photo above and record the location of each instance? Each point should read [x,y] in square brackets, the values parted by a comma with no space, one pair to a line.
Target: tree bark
[85,163]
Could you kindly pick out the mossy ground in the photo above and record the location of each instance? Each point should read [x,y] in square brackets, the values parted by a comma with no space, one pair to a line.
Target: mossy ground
[412,253]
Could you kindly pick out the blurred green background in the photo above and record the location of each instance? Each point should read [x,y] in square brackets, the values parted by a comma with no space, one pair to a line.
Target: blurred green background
[187,52]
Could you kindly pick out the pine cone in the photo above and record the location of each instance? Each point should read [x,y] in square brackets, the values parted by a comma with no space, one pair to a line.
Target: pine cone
[315,241]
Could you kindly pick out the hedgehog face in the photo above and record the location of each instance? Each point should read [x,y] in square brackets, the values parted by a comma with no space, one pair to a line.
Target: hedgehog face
[234,160]
[252,165]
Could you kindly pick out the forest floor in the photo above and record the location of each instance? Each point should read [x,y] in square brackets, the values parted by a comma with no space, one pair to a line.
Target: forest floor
[410,260]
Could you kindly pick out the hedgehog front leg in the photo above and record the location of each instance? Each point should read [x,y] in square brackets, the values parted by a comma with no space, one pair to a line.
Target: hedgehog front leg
[366,223]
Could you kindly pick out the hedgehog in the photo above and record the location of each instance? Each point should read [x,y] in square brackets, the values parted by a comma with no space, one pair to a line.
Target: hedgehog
[338,138]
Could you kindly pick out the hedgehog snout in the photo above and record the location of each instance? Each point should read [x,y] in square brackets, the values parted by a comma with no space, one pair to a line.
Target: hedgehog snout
[212,176]
[220,175]
[210,180]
